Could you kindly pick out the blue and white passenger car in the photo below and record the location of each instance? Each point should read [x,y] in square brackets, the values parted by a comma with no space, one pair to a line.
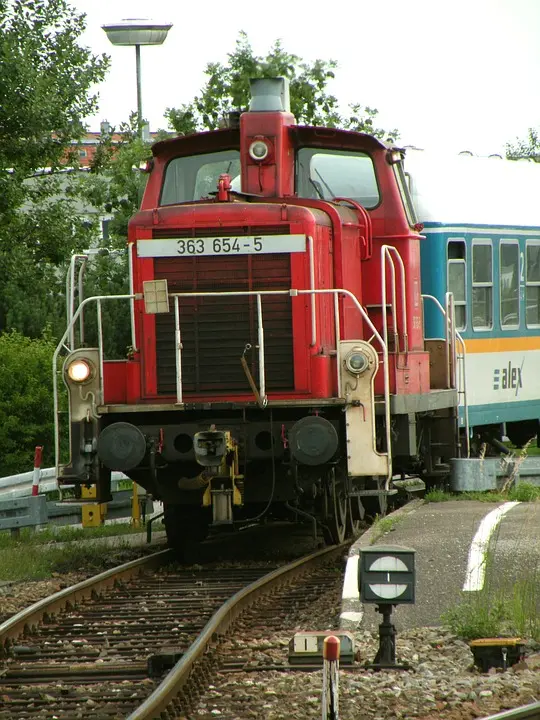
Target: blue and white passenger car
[481,221]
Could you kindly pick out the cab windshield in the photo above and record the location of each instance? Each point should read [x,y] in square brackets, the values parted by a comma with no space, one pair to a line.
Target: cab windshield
[327,174]
[192,178]
[320,174]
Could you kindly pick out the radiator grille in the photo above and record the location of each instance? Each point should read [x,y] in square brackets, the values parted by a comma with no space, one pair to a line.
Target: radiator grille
[164,232]
[216,330]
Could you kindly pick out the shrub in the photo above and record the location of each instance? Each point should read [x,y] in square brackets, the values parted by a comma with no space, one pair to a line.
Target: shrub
[26,401]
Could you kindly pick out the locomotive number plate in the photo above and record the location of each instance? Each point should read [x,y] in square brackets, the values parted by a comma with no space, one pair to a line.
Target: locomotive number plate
[240,245]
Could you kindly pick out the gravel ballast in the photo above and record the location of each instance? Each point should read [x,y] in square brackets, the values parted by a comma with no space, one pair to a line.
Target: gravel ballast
[442,683]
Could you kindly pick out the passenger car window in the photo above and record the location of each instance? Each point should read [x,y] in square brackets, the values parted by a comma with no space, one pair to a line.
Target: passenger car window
[482,284]
[532,294]
[457,280]
[509,284]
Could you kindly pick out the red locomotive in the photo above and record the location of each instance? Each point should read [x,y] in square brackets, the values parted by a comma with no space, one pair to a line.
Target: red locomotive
[278,364]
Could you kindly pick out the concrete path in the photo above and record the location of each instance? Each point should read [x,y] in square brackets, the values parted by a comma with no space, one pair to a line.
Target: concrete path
[449,538]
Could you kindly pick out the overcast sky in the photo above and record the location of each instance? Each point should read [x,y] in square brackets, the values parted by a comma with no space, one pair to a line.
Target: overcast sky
[462,73]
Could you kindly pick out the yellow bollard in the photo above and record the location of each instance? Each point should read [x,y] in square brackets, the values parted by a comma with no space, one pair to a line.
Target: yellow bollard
[93,514]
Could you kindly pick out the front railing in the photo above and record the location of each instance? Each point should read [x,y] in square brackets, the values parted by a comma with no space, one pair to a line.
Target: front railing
[69,337]
[259,295]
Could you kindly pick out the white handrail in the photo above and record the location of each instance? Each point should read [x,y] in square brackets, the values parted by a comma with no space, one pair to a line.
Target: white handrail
[70,294]
[131,246]
[451,328]
[178,353]
[312,287]
[61,344]
[386,253]
[260,338]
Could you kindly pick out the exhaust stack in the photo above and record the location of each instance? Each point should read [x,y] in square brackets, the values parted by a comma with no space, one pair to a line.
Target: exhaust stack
[267,155]
[270,95]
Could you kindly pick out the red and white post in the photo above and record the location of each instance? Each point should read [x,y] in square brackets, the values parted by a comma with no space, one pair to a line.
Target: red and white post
[38,454]
[330,692]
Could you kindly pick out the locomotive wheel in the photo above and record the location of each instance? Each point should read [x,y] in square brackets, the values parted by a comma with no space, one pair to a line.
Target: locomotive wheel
[376,504]
[336,509]
[355,514]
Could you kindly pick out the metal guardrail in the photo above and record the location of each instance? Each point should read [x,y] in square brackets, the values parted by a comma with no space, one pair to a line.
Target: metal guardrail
[34,510]
[20,508]
[15,486]
[23,512]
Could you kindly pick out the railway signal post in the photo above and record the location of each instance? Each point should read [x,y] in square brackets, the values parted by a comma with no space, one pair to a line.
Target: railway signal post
[386,576]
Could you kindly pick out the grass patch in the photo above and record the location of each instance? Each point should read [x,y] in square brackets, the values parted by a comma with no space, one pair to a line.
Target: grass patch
[477,619]
[67,533]
[509,612]
[27,563]
[39,555]
[487,496]
[383,525]
[435,495]
[523,492]
[507,606]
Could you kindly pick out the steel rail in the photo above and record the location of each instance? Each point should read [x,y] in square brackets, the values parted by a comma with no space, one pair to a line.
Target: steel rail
[32,615]
[166,693]
[525,712]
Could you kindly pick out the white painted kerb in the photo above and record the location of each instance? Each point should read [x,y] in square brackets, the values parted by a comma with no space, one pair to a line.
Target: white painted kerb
[350,583]
[476,564]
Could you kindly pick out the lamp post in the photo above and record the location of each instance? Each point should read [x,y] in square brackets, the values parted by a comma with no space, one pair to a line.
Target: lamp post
[137,32]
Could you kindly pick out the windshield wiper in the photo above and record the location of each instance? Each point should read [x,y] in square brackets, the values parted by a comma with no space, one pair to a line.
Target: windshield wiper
[326,185]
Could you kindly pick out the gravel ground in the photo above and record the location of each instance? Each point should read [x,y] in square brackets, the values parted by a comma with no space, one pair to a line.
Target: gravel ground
[442,683]
[19,595]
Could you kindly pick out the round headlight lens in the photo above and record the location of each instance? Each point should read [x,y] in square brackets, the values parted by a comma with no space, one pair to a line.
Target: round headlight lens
[258,150]
[79,371]
[356,362]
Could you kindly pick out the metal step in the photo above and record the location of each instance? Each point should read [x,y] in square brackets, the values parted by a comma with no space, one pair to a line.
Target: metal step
[372,493]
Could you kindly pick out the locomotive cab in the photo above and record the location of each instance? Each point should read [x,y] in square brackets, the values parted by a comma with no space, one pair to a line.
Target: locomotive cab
[278,361]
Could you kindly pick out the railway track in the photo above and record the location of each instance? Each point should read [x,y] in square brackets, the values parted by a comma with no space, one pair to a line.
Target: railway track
[102,648]
[151,639]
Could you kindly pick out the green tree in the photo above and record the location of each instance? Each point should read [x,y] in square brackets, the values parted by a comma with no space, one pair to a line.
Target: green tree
[227,89]
[115,182]
[45,85]
[26,404]
[528,147]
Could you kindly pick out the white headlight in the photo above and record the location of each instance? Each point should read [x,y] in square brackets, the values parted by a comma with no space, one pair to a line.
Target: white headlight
[258,150]
[79,371]
[356,362]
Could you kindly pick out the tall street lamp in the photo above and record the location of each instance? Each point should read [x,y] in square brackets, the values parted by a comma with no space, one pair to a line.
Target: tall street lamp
[137,32]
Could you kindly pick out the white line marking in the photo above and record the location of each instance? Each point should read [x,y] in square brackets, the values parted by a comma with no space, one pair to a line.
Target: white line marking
[350,583]
[476,565]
